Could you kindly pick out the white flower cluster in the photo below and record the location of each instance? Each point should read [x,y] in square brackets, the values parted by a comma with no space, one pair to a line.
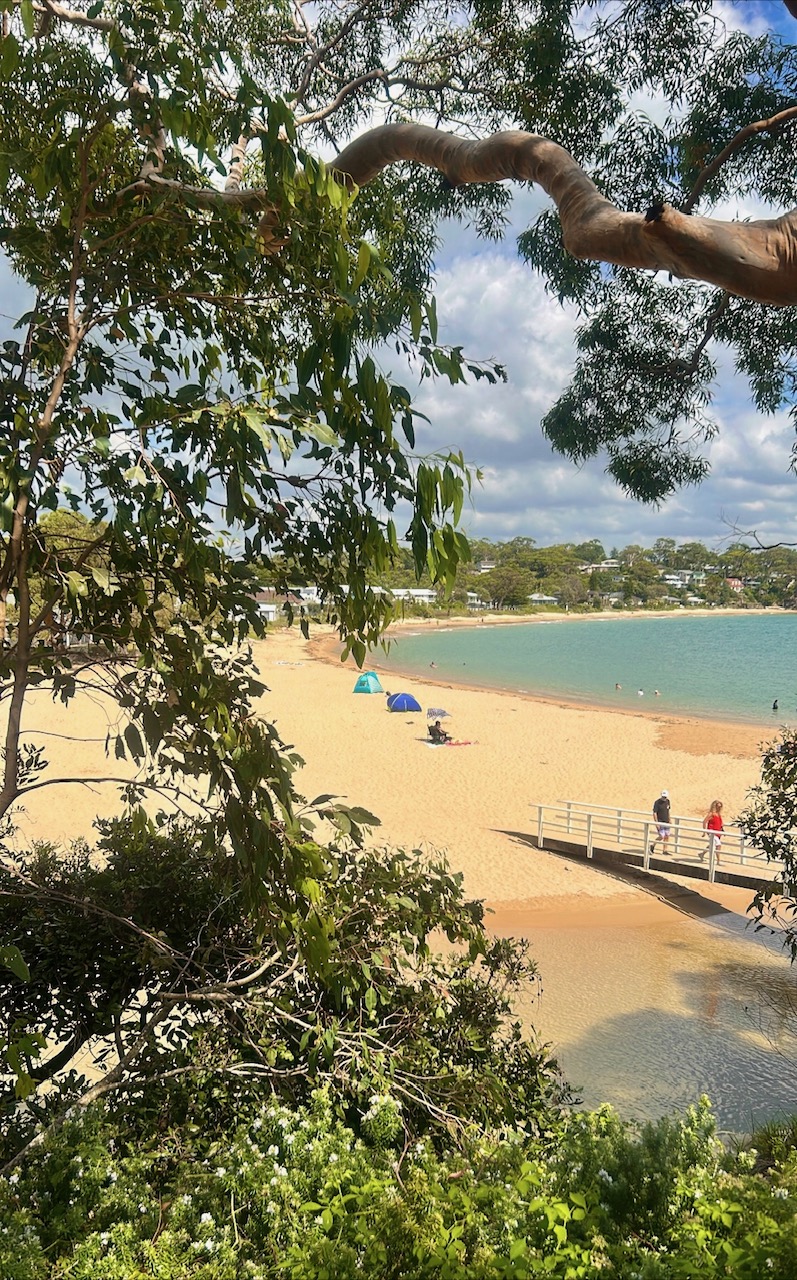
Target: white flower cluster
[378,1101]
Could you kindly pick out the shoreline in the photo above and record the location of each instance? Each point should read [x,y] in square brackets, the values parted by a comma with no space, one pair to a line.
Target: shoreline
[679,731]
[473,804]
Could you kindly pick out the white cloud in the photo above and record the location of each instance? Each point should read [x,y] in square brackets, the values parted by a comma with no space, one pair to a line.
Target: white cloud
[494,306]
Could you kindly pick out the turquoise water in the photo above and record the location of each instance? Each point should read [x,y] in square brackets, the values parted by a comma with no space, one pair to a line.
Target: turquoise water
[716,666]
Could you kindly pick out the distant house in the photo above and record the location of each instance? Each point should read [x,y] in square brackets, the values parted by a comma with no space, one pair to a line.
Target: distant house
[308,595]
[418,595]
[486,566]
[735,584]
[270,603]
[537,597]
[475,601]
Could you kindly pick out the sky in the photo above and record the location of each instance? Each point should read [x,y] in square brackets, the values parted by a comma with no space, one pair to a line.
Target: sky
[495,307]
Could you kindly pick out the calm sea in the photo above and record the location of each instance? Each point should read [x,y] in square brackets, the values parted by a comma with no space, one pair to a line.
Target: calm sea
[728,667]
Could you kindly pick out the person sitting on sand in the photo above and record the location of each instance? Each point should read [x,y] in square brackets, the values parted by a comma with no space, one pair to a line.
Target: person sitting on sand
[438,734]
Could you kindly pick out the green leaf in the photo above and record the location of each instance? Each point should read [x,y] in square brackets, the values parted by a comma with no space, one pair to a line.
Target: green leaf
[76,584]
[363,263]
[133,739]
[322,433]
[28,17]
[9,56]
[11,958]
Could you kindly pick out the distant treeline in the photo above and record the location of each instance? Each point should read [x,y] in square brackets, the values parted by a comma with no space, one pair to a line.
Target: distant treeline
[507,575]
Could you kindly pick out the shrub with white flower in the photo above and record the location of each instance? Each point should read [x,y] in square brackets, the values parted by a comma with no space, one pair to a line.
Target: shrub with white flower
[382,1123]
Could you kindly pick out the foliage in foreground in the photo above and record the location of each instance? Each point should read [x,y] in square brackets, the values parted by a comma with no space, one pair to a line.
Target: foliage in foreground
[244,1188]
[770,823]
[150,961]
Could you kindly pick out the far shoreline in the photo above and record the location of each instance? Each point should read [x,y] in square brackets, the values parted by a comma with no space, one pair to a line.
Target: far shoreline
[327,648]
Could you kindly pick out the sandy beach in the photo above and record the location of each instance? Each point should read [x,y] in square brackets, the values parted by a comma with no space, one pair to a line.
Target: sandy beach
[473,802]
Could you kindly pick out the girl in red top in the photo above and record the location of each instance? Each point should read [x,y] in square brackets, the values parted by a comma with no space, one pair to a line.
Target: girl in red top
[713,822]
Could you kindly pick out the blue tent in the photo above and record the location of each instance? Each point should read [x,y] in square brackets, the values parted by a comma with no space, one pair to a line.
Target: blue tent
[368,682]
[402,702]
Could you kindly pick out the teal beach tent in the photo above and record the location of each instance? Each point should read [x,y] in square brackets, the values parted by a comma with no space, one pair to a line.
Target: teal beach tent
[368,682]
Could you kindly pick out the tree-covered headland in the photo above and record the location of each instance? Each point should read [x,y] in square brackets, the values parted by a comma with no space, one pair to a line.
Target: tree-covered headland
[233,1047]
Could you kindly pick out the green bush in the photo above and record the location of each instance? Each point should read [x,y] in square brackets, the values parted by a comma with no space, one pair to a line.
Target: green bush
[295,1194]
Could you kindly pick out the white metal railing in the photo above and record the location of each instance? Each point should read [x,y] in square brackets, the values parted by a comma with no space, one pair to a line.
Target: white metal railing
[609,826]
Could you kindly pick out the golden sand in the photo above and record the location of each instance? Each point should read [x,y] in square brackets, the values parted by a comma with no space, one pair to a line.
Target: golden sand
[471,802]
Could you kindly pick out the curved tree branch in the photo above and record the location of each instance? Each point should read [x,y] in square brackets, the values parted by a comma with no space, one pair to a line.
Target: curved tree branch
[755,260]
[735,144]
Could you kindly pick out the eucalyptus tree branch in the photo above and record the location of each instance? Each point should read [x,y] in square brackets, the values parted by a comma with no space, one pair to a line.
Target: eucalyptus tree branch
[235,173]
[34,889]
[755,260]
[683,368]
[153,134]
[735,144]
[73,16]
[337,102]
[45,613]
[321,51]
[96,1091]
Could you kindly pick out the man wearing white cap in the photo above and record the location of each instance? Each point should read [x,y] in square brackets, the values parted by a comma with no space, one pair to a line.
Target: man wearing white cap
[661,813]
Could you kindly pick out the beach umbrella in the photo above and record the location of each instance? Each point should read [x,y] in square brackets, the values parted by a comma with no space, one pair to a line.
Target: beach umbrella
[368,682]
[437,713]
[402,702]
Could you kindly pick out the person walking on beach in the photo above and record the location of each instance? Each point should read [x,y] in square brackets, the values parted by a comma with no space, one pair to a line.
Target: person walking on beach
[712,823]
[661,814]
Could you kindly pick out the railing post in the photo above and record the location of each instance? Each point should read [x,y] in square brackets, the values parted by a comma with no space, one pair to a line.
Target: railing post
[589,835]
[742,843]
[619,826]
[569,816]
[540,839]
[712,862]
[676,836]
[646,863]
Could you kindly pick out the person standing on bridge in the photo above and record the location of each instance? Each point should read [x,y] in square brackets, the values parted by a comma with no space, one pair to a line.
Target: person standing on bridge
[661,814]
[712,824]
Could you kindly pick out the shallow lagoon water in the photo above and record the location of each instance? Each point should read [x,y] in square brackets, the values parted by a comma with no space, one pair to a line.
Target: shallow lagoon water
[721,667]
[650,1017]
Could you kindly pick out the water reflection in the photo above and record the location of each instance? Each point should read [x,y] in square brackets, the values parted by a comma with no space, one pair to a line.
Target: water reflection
[649,1017]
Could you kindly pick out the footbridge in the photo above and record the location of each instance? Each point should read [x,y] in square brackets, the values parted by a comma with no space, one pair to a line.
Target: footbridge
[617,838]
